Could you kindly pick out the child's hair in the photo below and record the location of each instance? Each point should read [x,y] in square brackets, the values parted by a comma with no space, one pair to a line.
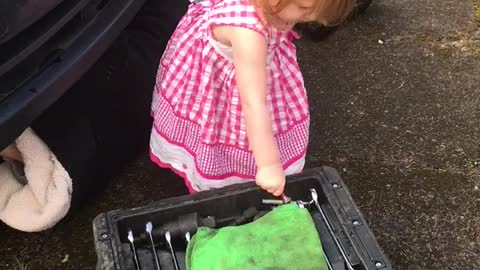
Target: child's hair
[326,12]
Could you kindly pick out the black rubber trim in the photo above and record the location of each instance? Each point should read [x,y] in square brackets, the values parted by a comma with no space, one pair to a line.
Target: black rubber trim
[19,109]
[54,23]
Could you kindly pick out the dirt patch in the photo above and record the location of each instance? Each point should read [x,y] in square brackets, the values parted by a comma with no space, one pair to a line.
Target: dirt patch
[454,44]
[476,7]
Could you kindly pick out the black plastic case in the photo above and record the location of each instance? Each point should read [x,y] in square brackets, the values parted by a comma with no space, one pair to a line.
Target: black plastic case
[350,228]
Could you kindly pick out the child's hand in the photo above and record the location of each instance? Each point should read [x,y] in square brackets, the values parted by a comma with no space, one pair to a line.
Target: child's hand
[271,179]
[11,152]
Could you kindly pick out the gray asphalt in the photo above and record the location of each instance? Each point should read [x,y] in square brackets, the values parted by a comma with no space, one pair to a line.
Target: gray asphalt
[401,121]
[395,102]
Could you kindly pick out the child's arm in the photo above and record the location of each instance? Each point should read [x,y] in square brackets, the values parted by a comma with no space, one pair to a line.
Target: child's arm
[249,57]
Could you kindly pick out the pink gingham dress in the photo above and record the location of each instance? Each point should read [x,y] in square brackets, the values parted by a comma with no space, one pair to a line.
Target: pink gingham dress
[199,126]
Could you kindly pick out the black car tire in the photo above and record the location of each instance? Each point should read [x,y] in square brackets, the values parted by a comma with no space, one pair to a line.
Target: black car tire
[104,120]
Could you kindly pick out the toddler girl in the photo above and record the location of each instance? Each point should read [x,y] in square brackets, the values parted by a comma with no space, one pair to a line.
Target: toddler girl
[229,103]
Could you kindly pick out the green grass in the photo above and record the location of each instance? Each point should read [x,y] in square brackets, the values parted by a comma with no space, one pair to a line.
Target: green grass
[476,8]
[21,265]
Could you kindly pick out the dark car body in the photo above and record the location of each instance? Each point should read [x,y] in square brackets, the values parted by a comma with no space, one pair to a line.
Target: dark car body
[44,54]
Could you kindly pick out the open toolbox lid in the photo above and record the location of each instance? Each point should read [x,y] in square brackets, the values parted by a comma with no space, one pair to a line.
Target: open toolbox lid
[353,242]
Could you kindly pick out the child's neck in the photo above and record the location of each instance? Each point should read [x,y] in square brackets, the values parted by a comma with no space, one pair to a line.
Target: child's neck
[266,19]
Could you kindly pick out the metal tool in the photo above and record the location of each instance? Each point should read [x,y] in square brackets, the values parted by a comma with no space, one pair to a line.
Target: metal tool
[135,258]
[285,198]
[168,237]
[330,229]
[148,229]
[303,204]
[273,202]
[187,237]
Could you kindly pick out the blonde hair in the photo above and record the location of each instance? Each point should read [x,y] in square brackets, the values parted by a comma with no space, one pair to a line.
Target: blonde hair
[326,12]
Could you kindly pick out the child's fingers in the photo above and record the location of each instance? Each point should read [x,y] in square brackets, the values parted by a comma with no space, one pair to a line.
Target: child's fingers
[270,189]
[278,191]
[11,152]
